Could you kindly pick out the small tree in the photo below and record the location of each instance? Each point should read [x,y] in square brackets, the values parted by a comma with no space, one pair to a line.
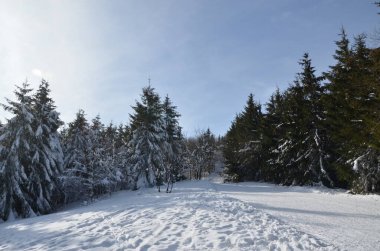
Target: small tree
[78,178]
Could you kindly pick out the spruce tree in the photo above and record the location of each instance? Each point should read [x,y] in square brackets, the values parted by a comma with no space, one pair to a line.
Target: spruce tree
[338,110]
[244,144]
[365,152]
[250,150]
[146,150]
[78,179]
[230,152]
[47,154]
[15,141]
[352,115]
[173,143]
[274,133]
[314,164]
[30,155]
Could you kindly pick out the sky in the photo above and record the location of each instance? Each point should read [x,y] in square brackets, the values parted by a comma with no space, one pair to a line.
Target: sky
[207,55]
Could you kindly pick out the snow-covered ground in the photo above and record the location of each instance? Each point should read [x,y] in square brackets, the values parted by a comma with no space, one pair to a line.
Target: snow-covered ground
[207,215]
[349,222]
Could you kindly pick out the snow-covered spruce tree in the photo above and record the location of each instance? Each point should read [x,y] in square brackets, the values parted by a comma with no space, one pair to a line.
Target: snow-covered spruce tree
[146,150]
[47,154]
[91,169]
[99,167]
[173,144]
[120,156]
[243,148]
[352,115]
[339,112]
[274,130]
[302,148]
[77,179]
[315,158]
[30,155]
[107,175]
[230,151]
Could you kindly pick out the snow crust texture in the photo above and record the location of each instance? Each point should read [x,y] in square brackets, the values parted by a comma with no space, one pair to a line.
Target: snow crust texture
[194,217]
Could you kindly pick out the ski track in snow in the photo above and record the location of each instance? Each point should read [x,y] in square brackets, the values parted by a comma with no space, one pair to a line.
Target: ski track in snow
[194,217]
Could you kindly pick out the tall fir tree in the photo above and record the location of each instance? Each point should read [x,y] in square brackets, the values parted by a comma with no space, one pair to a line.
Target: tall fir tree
[315,163]
[244,144]
[146,153]
[16,142]
[338,111]
[173,144]
[47,154]
[30,155]
[274,132]
[352,115]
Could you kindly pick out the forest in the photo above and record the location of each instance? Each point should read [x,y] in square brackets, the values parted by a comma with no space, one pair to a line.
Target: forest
[320,130]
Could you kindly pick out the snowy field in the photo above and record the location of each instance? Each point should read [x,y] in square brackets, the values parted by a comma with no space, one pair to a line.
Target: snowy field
[207,215]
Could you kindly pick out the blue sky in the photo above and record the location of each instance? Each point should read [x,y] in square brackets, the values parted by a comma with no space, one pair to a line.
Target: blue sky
[207,55]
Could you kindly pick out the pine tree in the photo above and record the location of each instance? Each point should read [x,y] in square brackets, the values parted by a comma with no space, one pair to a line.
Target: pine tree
[77,179]
[47,153]
[244,141]
[338,111]
[274,132]
[315,161]
[30,155]
[106,143]
[230,152]
[352,114]
[146,153]
[288,149]
[120,157]
[15,200]
[251,145]
[99,168]
[173,144]
[366,103]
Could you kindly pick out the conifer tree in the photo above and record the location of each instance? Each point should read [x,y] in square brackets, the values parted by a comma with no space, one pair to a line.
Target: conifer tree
[230,152]
[365,102]
[173,143]
[15,141]
[77,179]
[30,155]
[338,111]
[289,146]
[315,159]
[47,154]
[274,133]
[99,167]
[146,154]
[120,156]
[251,145]
[244,141]
[352,105]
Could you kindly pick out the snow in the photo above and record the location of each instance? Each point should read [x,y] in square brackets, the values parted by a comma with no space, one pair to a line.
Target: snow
[349,222]
[206,215]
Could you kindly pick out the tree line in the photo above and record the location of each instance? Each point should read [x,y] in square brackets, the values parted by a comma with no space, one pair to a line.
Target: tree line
[321,130]
[43,168]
